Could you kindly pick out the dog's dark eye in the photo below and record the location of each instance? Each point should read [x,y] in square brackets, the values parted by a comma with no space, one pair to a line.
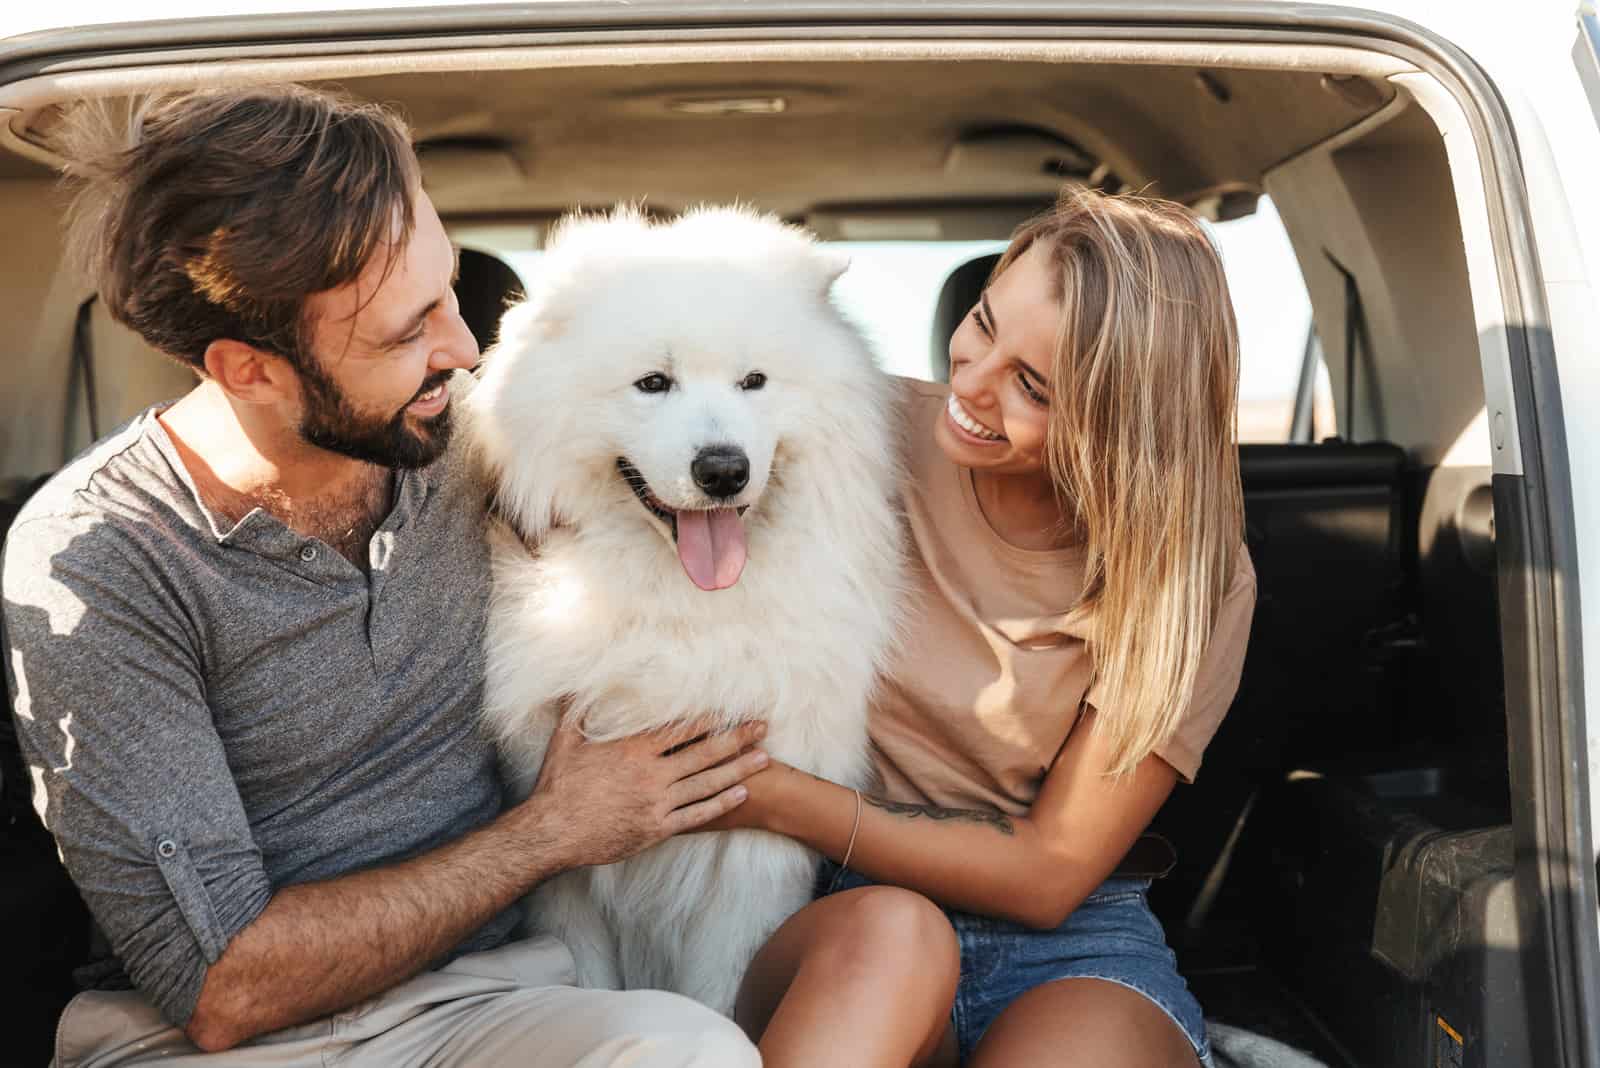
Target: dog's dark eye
[753,380]
[653,383]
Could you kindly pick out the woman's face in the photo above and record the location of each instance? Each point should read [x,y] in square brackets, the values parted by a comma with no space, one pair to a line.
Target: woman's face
[999,358]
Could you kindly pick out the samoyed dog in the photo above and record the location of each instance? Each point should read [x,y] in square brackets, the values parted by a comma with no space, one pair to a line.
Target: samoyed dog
[699,459]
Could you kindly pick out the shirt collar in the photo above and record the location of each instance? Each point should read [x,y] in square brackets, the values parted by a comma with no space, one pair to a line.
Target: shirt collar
[263,532]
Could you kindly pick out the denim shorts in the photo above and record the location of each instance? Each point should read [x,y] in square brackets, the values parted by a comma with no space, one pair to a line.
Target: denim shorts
[1113,936]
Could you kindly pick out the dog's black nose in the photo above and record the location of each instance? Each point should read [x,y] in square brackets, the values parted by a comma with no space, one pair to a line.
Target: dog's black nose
[721,470]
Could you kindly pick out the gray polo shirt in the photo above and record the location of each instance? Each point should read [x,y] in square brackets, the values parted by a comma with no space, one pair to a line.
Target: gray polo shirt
[210,713]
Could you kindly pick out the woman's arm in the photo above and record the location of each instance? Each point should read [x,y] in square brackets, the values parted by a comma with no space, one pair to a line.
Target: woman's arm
[1034,869]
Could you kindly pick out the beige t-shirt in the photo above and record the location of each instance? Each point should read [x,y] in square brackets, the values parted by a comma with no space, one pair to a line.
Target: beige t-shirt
[992,669]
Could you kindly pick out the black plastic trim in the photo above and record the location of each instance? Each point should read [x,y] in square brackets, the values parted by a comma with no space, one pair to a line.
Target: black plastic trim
[1301,466]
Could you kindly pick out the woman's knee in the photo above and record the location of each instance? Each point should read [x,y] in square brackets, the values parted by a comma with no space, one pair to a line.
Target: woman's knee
[880,928]
[859,942]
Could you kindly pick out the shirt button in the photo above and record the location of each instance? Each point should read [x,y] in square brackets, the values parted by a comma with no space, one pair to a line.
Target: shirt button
[308,553]
[167,848]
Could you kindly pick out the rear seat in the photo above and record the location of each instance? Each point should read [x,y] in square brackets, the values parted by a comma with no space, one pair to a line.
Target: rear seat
[1323,526]
[1387,860]
[486,286]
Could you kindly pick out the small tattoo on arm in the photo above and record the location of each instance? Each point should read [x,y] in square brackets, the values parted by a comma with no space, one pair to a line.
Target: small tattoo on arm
[998,820]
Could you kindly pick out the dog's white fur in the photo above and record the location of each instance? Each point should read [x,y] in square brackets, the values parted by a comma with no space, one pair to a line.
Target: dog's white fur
[603,611]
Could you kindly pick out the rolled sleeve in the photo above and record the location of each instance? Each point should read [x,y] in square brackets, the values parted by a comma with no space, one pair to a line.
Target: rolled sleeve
[128,771]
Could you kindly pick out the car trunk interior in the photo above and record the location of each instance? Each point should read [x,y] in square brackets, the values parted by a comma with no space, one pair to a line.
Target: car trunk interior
[1345,858]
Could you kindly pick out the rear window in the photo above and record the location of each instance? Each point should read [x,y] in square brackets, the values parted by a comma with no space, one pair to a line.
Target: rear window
[892,288]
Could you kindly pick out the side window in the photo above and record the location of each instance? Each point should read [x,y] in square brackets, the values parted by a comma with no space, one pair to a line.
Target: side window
[1284,394]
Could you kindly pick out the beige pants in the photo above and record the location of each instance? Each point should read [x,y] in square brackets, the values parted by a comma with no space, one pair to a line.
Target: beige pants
[509,1006]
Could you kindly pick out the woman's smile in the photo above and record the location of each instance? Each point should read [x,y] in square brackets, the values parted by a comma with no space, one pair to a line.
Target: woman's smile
[996,418]
[969,426]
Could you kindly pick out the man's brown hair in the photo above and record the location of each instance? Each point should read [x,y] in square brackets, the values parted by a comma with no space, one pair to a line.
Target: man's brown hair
[213,215]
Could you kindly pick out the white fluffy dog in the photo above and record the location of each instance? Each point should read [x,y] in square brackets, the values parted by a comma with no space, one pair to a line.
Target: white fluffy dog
[702,451]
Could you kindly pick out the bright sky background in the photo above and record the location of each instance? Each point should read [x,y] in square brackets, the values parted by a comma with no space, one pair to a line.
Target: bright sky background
[891,289]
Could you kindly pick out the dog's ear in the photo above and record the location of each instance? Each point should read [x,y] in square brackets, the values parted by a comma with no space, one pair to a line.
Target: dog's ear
[550,327]
[521,496]
[521,490]
[829,265]
[529,322]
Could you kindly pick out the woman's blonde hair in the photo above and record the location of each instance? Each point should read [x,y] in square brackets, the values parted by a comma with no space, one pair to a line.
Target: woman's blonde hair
[1140,446]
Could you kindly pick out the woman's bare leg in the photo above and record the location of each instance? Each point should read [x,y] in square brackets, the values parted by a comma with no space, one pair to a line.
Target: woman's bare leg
[860,978]
[1091,1023]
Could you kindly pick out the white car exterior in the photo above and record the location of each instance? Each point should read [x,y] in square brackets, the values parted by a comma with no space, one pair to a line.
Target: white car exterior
[1534,56]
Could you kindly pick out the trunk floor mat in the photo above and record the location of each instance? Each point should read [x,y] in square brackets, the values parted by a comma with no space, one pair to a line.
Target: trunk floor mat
[1246,1002]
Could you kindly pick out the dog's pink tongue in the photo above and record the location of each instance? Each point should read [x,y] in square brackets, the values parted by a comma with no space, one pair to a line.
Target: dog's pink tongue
[711,547]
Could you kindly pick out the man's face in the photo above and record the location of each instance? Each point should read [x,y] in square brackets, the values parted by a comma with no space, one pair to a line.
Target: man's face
[376,386]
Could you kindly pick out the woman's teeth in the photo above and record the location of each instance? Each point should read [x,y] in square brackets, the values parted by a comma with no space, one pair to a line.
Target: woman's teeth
[969,424]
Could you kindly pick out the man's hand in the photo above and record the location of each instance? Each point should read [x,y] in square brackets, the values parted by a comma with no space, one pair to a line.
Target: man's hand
[621,797]
[769,793]
[321,947]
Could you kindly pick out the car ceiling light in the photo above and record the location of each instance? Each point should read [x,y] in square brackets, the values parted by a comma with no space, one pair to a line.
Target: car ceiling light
[731,105]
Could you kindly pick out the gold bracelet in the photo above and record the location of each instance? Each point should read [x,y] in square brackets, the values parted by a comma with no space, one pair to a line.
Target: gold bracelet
[851,848]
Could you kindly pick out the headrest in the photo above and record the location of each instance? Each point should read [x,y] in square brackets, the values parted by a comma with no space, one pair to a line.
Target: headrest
[485,286]
[961,291]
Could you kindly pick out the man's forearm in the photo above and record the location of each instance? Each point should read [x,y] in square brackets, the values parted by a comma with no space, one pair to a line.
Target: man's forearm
[321,947]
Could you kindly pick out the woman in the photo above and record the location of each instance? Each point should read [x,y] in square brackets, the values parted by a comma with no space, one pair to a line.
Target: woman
[1080,605]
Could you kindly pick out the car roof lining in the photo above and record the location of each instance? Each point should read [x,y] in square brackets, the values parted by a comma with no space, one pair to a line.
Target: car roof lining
[602,105]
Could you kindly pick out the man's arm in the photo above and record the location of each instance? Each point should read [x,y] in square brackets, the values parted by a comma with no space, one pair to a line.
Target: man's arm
[134,782]
[321,947]
[1032,869]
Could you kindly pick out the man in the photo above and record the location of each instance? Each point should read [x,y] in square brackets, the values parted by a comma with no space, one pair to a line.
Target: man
[245,639]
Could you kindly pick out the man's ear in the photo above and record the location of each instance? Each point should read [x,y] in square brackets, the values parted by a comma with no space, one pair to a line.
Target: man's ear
[249,374]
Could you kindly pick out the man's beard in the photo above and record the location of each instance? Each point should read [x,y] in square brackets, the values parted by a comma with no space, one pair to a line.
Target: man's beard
[331,422]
